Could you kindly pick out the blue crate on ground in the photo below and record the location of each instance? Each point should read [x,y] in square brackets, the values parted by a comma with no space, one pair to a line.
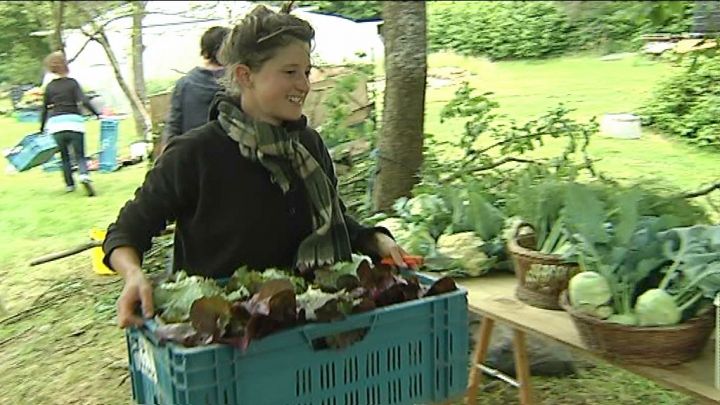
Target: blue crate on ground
[108,145]
[413,353]
[27,116]
[33,150]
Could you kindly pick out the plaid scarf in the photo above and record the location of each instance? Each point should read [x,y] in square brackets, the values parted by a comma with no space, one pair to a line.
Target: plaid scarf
[281,153]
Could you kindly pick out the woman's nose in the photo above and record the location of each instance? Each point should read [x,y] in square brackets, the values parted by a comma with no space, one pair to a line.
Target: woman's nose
[304,84]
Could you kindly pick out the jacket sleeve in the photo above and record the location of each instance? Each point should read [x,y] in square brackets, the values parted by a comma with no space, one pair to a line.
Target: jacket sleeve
[44,111]
[81,97]
[357,232]
[173,124]
[170,187]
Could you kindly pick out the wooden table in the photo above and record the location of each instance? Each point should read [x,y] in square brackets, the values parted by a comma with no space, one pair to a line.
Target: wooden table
[493,297]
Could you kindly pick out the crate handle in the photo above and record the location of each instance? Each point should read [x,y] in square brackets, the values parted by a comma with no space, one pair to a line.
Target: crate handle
[316,335]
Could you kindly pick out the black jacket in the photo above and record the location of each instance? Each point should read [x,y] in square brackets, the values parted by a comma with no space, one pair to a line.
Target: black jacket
[63,96]
[228,211]
[190,102]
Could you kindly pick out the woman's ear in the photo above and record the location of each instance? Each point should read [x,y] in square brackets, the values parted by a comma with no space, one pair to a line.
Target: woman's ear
[244,76]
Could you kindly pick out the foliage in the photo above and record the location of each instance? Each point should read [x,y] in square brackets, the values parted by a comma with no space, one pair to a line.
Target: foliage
[687,105]
[498,30]
[488,135]
[534,29]
[22,53]
[656,277]
[355,10]
[337,103]
[631,248]
[614,26]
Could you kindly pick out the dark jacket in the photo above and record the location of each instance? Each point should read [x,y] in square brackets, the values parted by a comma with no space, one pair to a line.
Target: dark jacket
[63,96]
[228,211]
[190,102]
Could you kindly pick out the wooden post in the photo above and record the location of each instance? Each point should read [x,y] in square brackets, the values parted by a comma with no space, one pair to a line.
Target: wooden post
[522,367]
[479,353]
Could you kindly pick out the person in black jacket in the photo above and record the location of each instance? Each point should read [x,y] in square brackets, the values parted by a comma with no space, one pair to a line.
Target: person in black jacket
[61,117]
[253,187]
[191,97]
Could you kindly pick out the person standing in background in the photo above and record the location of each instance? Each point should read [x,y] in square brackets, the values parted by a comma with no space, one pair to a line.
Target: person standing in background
[61,117]
[193,93]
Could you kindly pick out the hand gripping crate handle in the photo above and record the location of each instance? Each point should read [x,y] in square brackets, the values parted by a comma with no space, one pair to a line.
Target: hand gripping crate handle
[324,330]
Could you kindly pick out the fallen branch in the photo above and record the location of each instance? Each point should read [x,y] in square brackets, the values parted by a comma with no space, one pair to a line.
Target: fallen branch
[703,191]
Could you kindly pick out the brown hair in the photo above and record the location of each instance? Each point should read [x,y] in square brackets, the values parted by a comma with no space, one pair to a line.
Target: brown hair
[56,63]
[211,41]
[256,39]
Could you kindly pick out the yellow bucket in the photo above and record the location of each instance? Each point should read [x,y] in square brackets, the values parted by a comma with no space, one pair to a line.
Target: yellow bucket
[96,253]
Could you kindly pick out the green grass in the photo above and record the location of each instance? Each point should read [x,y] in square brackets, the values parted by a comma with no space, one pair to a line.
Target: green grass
[592,87]
[72,352]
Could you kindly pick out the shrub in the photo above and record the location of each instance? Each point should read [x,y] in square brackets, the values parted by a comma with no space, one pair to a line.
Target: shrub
[536,29]
[687,105]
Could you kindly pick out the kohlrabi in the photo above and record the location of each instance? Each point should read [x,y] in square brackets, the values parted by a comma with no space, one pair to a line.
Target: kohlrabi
[656,307]
[693,275]
[589,288]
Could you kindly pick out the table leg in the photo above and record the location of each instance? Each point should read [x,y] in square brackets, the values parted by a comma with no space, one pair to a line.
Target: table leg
[479,354]
[522,367]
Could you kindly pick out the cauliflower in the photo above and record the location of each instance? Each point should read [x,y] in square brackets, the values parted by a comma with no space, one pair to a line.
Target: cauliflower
[465,248]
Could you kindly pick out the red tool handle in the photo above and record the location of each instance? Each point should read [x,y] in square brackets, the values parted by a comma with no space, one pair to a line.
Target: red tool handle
[415,261]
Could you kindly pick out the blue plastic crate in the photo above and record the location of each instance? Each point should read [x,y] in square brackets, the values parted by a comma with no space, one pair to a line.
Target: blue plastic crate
[413,353]
[27,116]
[33,150]
[108,145]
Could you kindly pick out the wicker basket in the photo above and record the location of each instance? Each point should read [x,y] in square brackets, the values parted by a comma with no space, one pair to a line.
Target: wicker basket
[544,295]
[643,345]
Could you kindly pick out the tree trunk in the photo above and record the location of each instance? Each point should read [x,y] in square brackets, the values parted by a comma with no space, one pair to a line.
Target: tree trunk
[137,106]
[137,65]
[401,134]
[58,12]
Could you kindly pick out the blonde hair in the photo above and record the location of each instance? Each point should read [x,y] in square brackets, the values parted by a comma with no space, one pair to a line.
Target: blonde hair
[256,39]
[56,63]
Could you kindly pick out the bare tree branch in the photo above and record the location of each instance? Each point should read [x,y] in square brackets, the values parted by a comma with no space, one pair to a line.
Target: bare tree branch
[503,161]
[135,102]
[703,191]
[506,141]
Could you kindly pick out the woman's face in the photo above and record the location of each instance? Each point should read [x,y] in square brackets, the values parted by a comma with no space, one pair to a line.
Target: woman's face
[276,92]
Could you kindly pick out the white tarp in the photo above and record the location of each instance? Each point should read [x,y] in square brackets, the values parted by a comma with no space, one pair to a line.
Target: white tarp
[171,35]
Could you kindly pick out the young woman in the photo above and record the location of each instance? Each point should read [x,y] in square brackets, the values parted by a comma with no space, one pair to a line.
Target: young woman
[194,92]
[62,118]
[254,186]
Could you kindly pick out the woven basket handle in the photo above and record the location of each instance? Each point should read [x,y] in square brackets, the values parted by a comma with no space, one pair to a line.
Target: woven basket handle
[519,225]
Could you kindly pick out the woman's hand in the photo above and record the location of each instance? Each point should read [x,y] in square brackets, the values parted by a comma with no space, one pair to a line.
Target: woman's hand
[384,246]
[137,290]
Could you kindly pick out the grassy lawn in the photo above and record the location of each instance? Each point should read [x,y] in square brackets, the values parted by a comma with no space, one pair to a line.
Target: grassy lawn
[592,87]
[64,347]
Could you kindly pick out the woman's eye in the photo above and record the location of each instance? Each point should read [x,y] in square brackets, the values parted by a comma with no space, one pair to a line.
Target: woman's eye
[290,72]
